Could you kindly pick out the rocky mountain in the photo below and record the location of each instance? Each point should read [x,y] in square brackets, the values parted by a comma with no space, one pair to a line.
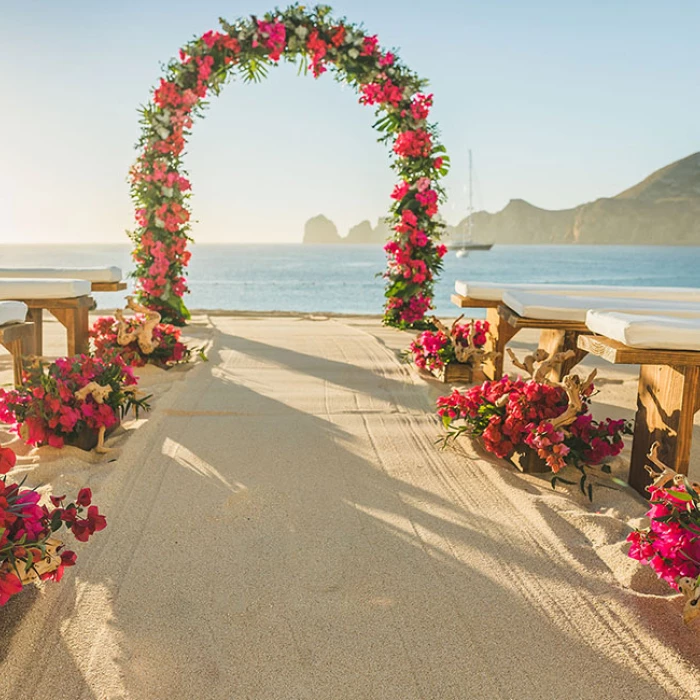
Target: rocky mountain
[663,209]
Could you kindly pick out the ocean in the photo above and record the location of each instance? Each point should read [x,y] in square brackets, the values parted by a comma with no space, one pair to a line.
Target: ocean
[343,279]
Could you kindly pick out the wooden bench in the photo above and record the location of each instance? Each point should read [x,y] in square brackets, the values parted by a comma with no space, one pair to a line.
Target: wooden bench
[668,397]
[505,324]
[72,313]
[16,338]
[102,279]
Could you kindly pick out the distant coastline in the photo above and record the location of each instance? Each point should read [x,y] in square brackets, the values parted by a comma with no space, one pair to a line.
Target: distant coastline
[663,209]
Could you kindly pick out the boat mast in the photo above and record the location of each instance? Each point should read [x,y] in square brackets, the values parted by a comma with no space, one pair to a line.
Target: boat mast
[471,201]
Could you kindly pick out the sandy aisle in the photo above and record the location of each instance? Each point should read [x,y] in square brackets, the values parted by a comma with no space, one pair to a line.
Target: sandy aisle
[283,527]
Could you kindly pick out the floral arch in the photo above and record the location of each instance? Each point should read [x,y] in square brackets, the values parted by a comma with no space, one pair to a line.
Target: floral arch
[246,49]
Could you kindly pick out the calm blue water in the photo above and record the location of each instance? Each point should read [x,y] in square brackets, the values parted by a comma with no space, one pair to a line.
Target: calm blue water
[342,279]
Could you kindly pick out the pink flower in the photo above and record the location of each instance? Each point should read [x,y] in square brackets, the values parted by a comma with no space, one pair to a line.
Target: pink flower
[420,106]
[369,46]
[274,37]
[401,190]
[413,144]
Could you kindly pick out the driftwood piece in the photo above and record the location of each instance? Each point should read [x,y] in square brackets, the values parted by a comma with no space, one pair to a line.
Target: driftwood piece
[538,365]
[469,354]
[99,393]
[690,588]
[143,333]
[545,366]
[665,474]
[529,362]
[575,391]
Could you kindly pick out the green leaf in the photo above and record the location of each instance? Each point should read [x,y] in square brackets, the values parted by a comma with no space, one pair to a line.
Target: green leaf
[680,495]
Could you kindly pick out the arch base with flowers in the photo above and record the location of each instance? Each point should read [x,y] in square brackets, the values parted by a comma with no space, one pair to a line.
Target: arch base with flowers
[246,49]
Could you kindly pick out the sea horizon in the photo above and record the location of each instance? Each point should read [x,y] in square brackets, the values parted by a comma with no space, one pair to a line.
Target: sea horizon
[347,278]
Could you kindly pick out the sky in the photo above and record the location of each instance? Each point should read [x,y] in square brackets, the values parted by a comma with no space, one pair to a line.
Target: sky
[560,102]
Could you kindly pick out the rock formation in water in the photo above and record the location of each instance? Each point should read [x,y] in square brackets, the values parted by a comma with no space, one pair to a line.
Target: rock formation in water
[321,230]
[663,209]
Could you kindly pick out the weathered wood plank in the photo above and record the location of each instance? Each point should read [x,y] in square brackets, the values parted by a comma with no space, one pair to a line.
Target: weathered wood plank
[108,286]
[621,354]
[470,303]
[36,316]
[500,333]
[67,303]
[518,321]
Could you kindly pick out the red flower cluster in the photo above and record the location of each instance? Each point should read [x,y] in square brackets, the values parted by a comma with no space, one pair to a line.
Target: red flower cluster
[671,544]
[46,410]
[510,413]
[274,36]
[168,352]
[26,526]
[383,92]
[413,144]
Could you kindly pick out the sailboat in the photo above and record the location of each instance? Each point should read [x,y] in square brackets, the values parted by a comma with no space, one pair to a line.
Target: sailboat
[467,244]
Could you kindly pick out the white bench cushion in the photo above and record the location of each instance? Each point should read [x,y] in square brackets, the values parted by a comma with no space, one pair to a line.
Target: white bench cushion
[43,289]
[12,312]
[494,291]
[553,307]
[647,332]
[91,274]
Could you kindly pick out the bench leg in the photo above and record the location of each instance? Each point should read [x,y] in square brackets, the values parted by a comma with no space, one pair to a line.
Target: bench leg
[554,341]
[36,316]
[501,332]
[77,324]
[666,406]
[16,349]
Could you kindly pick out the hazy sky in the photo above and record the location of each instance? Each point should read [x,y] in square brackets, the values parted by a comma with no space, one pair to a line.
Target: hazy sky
[561,102]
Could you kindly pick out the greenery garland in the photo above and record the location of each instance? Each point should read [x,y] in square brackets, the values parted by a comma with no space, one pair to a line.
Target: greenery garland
[246,49]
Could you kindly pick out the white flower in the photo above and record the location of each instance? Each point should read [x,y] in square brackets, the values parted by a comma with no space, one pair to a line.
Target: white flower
[353,53]
[162,132]
[301,32]
[167,191]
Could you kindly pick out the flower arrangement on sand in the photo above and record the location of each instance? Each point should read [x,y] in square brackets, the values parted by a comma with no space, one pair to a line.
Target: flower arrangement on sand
[61,401]
[247,48]
[462,343]
[551,419]
[671,543]
[29,550]
[139,340]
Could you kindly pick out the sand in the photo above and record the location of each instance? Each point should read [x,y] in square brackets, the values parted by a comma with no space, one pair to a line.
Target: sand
[282,525]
